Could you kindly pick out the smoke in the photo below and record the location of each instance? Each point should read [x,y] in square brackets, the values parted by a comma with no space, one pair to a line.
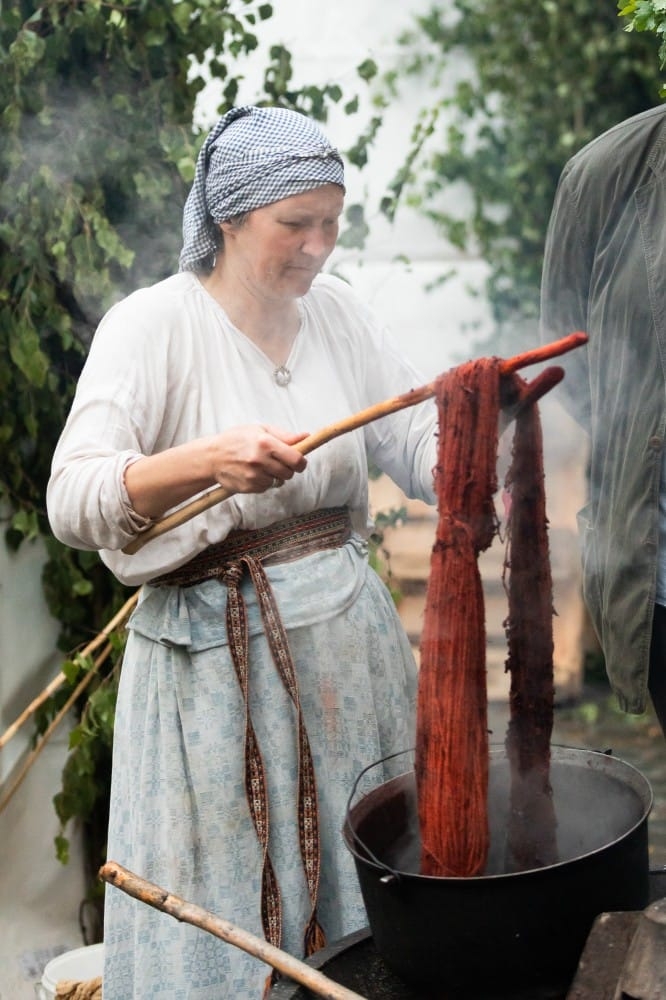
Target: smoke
[92,174]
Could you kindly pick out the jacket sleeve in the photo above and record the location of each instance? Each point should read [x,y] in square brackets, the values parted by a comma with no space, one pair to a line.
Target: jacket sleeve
[565,287]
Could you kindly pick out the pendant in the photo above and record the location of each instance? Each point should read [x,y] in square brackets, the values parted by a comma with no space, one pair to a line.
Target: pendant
[282,375]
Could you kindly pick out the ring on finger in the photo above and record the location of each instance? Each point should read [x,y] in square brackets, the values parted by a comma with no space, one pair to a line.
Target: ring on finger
[276,483]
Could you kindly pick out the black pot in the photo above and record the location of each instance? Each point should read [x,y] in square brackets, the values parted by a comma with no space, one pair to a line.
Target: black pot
[500,931]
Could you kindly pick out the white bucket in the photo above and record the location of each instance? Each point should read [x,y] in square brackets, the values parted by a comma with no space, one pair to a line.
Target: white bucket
[79,965]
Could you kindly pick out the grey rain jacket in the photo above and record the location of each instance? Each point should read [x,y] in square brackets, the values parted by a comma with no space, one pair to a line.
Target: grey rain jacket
[605,273]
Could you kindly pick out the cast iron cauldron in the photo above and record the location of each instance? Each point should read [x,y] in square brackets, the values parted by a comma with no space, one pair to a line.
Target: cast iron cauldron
[500,931]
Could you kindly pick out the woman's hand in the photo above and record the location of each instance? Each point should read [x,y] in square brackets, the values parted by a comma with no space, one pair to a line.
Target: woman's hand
[246,459]
[255,458]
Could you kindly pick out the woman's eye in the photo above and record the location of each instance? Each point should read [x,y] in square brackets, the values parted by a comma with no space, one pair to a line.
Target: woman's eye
[303,224]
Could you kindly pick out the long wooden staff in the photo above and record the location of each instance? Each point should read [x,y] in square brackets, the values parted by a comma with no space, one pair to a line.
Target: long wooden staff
[181,909]
[53,685]
[30,760]
[308,444]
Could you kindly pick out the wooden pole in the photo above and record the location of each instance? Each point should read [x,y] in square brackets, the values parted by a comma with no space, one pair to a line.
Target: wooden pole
[375,412]
[53,685]
[181,909]
[34,754]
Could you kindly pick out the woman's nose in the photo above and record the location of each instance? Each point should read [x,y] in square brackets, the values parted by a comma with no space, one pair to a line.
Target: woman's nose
[319,241]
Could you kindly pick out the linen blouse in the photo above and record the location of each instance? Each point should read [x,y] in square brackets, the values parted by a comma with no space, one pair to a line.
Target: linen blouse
[167,366]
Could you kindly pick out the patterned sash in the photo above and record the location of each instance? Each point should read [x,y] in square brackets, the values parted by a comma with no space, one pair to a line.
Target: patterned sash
[227,561]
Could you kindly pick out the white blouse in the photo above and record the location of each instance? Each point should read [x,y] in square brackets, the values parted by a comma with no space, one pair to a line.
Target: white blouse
[167,366]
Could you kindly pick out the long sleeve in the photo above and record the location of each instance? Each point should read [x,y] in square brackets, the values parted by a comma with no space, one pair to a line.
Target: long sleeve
[116,416]
[403,445]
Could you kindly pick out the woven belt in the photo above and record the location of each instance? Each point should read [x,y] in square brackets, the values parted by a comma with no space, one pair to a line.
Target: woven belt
[281,542]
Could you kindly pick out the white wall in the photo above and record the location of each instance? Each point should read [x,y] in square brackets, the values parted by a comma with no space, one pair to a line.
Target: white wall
[39,897]
[27,641]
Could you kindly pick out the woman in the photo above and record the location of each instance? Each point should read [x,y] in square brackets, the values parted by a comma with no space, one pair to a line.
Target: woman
[212,377]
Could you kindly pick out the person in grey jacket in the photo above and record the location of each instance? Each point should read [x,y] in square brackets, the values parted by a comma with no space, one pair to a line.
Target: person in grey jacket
[605,273]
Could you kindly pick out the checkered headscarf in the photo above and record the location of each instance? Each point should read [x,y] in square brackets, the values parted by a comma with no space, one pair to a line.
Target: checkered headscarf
[252,157]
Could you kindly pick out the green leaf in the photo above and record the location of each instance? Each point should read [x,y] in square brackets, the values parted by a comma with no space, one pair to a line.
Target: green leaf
[357,230]
[182,15]
[26,353]
[27,50]
[76,737]
[367,69]
[62,848]
[71,670]
[26,522]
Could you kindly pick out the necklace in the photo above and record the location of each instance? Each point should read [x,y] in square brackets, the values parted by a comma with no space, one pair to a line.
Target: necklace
[282,375]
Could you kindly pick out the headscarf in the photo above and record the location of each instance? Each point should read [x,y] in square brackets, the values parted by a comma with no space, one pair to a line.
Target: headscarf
[252,157]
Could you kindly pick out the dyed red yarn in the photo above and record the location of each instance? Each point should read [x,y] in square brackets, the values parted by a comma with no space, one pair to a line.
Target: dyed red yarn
[531,840]
[451,763]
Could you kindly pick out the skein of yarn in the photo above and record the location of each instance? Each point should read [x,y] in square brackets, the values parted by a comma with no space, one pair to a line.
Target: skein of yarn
[451,762]
[452,747]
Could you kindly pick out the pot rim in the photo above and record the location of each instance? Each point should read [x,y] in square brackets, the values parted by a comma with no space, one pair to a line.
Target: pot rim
[597,759]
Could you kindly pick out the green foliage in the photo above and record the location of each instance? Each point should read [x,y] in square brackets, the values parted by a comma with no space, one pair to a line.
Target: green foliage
[312,101]
[647,15]
[379,556]
[85,779]
[516,89]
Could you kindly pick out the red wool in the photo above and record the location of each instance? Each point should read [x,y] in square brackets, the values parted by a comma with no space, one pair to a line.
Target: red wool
[451,763]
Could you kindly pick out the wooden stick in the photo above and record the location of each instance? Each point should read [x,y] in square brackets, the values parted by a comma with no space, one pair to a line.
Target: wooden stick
[53,685]
[34,753]
[308,444]
[375,412]
[190,913]
[544,353]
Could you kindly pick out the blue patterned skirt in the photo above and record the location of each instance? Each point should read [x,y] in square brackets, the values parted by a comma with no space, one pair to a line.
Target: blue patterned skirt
[179,813]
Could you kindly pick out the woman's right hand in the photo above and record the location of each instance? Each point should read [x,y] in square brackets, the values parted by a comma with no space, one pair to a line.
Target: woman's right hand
[246,459]
[250,459]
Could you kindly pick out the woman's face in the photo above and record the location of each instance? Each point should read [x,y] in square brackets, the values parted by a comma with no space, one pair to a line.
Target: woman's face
[277,251]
